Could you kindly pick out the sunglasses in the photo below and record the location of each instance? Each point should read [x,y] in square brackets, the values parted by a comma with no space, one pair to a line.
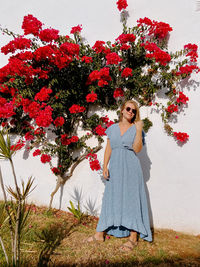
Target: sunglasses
[134,111]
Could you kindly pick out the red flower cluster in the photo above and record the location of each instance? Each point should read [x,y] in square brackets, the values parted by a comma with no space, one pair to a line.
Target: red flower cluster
[127,72]
[94,163]
[76,29]
[76,109]
[125,47]
[122,4]
[100,130]
[157,29]
[6,109]
[31,25]
[192,52]
[70,49]
[36,152]
[91,97]
[45,158]
[43,95]
[66,141]
[118,93]
[107,121]
[59,121]
[125,38]
[182,98]
[17,146]
[39,131]
[181,136]
[48,35]
[55,170]
[113,58]
[172,108]
[17,43]
[87,59]
[159,55]
[187,69]
[29,136]
[44,117]
[103,76]
[99,47]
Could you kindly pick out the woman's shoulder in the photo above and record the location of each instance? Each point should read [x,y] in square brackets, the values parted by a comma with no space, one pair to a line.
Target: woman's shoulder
[112,126]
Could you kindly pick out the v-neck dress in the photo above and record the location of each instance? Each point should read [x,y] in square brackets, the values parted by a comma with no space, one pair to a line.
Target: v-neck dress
[124,204]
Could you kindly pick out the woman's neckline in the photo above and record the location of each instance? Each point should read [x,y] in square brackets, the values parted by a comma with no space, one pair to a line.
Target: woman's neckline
[126,130]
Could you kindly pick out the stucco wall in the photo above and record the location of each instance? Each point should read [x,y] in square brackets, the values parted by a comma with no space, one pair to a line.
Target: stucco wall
[171,172]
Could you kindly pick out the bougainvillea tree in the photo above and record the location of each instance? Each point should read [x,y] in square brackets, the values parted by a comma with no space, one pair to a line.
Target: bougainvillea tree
[52,82]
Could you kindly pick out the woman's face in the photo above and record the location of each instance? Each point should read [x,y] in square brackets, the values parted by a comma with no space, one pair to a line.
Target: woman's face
[128,111]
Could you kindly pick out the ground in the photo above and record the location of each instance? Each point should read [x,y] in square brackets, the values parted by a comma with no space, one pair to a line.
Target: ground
[169,248]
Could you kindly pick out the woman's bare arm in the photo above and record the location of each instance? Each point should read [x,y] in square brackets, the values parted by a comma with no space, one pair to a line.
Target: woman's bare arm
[107,155]
[137,145]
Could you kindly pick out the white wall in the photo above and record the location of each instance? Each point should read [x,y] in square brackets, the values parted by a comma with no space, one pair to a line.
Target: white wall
[171,172]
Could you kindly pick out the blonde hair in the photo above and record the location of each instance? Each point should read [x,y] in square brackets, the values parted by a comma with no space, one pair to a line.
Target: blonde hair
[135,118]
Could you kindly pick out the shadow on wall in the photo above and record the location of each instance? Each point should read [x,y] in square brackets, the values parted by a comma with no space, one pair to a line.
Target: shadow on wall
[146,166]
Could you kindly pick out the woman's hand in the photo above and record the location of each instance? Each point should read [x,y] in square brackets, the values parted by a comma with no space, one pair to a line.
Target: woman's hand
[105,173]
[139,125]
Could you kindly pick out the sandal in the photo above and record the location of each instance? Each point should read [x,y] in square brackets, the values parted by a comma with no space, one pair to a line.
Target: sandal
[125,247]
[94,239]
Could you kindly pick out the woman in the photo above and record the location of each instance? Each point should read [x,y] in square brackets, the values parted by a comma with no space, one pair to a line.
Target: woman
[124,209]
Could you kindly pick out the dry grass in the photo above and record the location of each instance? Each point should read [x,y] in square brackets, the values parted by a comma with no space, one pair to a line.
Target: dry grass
[169,248]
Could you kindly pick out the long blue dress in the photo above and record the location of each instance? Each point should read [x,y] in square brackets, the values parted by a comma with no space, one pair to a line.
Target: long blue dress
[124,203]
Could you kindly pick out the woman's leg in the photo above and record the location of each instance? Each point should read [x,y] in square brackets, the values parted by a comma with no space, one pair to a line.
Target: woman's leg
[133,236]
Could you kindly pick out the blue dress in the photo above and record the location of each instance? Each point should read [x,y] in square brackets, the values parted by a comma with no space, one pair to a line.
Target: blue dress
[124,203]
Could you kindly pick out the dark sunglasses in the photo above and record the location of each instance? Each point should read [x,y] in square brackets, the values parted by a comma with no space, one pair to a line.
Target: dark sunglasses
[134,111]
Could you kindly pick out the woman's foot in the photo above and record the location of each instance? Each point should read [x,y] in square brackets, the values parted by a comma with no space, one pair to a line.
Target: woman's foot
[95,238]
[129,245]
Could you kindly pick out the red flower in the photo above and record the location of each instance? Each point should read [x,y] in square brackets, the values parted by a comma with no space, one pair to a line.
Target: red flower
[76,109]
[43,95]
[76,29]
[17,146]
[17,43]
[182,98]
[44,117]
[127,72]
[48,35]
[36,152]
[125,47]
[65,140]
[100,130]
[181,136]
[45,158]
[39,131]
[87,59]
[125,38]
[113,58]
[118,93]
[192,51]
[59,121]
[29,136]
[122,4]
[187,69]
[31,25]
[99,48]
[172,108]
[157,29]
[94,165]
[74,139]
[91,97]
[7,110]
[55,170]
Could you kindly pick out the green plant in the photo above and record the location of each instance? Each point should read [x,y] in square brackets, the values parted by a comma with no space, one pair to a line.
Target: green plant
[76,211]
[17,213]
